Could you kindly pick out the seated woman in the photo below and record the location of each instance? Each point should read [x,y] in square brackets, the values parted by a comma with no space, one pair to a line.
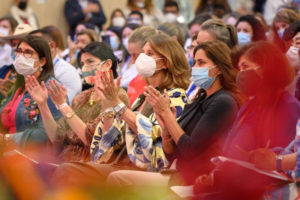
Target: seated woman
[163,65]
[249,29]
[200,132]
[74,132]
[20,116]
[268,119]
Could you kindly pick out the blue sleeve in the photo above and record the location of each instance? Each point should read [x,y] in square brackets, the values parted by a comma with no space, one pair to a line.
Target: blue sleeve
[36,133]
[98,18]
[73,13]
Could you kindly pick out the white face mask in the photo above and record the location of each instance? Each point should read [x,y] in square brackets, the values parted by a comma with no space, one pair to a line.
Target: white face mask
[293,56]
[125,42]
[170,17]
[24,66]
[118,21]
[140,4]
[146,65]
[3,32]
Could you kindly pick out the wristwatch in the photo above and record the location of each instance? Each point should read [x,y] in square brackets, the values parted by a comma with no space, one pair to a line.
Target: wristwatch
[69,115]
[278,162]
[120,109]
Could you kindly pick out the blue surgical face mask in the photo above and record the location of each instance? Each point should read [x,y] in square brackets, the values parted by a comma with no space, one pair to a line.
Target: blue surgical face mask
[114,43]
[201,78]
[243,38]
[12,53]
[280,32]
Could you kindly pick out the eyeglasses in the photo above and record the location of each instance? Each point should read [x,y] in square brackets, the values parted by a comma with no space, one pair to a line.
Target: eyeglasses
[90,66]
[27,53]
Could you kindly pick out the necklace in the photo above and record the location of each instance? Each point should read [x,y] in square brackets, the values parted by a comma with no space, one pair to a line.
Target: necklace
[91,101]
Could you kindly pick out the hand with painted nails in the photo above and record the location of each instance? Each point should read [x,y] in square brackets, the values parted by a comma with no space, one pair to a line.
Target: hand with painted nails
[109,88]
[58,93]
[38,92]
[98,85]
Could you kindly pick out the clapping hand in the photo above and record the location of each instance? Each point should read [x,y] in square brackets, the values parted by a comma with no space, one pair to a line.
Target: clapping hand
[99,85]
[263,158]
[58,93]
[109,88]
[159,103]
[38,92]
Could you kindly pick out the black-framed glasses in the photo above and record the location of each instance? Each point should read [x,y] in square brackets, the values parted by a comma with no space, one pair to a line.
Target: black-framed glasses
[27,53]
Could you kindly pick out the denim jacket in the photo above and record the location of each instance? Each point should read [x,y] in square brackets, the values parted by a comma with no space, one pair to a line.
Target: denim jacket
[28,120]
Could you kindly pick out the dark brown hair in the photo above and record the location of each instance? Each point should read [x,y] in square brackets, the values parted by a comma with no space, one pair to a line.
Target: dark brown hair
[42,48]
[219,53]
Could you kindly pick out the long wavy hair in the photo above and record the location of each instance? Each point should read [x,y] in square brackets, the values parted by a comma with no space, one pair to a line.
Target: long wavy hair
[219,53]
[179,72]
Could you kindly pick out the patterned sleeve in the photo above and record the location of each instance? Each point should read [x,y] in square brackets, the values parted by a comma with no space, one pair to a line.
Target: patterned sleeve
[145,149]
[104,145]
[91,127]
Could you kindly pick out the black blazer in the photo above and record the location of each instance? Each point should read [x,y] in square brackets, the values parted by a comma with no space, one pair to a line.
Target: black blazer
[206,122]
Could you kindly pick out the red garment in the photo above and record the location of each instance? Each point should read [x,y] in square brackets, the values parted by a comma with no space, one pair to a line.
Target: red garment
[135,88]
[9,112]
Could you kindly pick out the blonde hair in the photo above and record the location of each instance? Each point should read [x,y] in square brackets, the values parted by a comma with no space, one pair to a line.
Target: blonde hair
[141,35]
[223,32]
[179,72]
[287,16]
[172,30]
[91,33]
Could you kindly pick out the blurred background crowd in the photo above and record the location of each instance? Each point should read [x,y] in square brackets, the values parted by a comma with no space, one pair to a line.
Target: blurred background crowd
[122,99]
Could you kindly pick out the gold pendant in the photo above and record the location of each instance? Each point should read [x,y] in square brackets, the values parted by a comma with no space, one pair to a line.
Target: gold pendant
[91,102]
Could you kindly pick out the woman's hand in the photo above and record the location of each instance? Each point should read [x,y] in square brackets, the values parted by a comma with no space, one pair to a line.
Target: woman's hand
[37,92]
[263,158]
[159,103]
[204,180]
[99,85]
[58,93]
[164,134]
[109,88]
[72,47]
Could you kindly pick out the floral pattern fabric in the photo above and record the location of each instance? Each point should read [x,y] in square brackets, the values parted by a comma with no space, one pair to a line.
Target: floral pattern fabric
[145,148]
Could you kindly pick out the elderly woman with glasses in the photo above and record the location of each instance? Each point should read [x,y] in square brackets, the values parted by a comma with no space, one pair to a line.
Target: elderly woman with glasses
[21,121]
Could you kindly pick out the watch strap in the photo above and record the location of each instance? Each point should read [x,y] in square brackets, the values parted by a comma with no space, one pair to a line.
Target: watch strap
[278,163]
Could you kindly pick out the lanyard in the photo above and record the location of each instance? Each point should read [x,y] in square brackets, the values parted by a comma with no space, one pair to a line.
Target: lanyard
[191,90]
[56,61]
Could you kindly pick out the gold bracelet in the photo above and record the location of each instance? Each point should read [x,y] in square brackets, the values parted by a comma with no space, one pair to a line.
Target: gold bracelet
[109,115]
